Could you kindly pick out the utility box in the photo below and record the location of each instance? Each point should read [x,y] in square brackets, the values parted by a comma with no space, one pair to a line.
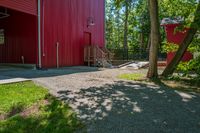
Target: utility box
[175,37]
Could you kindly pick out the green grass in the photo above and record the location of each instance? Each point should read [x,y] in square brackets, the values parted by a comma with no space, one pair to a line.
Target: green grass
[20,94]
[54,117]
[133,76]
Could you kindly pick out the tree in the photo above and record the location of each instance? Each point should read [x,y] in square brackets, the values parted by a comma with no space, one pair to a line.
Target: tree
[142,14]
[109,24]
[183,47]
[128,25]
[155,39]
[127,3]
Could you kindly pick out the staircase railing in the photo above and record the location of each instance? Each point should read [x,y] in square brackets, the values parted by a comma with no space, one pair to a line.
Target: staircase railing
[110,55]
[93,54]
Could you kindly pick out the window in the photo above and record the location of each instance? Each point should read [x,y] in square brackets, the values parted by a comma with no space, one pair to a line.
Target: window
[2,37]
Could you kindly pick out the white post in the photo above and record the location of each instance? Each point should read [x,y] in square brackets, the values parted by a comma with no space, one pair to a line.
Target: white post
[57,54]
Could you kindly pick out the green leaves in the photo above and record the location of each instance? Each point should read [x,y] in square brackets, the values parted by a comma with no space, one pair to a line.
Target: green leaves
[176,8]
[139,23]
[169,47]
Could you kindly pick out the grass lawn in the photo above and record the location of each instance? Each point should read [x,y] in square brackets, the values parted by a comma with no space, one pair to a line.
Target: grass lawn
[188,85]
[22,95]
[28,108]
[132,76]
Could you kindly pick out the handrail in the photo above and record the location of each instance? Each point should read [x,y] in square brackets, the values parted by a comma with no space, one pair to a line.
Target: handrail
[94,54]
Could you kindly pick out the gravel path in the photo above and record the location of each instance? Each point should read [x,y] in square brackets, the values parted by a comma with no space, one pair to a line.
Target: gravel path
[109,105]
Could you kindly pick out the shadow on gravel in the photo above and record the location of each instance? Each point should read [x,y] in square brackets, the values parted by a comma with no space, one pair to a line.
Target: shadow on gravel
[127,107]
[29,74]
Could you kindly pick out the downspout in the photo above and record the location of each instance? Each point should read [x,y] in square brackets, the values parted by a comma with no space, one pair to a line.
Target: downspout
[57,54]
[39,36]
[105,24]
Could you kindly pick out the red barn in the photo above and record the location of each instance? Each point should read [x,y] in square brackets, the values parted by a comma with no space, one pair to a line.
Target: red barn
[175,37]
[50,33]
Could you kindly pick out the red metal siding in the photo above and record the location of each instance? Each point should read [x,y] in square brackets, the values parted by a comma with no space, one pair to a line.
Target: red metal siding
[20,38]
[65,21]
[27,6]
[173,36]
[186,57]
[176,37]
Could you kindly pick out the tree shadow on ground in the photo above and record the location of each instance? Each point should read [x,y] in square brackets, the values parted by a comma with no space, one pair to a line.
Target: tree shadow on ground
[52,118]
[181,85]
[128,107]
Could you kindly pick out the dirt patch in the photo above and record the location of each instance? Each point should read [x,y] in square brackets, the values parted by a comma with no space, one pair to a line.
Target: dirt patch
[181,86]
[2,117]
[34,109]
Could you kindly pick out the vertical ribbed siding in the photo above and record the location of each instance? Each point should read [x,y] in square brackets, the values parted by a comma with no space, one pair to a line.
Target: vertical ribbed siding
[65,21]
[20,38]
[26,6]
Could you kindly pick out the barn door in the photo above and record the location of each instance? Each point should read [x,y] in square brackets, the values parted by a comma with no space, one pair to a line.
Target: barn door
[86,42]
[87,38]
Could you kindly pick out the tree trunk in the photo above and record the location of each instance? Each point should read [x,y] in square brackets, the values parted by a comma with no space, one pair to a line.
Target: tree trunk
[142,46]
[155,39]
[126,28]
[183,47]
[148,43]
[118,28]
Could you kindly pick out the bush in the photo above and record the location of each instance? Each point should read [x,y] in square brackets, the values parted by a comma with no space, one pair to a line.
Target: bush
[186,68]
[169,47]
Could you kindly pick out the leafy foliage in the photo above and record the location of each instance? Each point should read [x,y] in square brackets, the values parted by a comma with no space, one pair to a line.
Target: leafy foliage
[169,47]
[139,20]
[187,68]
[176,8]
[139,25]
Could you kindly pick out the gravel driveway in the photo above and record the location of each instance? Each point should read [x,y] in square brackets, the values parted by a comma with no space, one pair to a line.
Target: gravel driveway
[109,105]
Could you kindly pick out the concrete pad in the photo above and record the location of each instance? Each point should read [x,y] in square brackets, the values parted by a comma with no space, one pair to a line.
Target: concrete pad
[136,65]
[8,80]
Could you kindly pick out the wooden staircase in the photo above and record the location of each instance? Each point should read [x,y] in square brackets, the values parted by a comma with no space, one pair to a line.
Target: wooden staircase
[96,56]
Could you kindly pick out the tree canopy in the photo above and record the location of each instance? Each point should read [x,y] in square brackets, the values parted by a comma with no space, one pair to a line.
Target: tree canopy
[128,21]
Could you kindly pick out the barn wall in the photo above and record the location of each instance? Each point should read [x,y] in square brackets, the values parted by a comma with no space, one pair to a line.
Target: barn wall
[173,36]
[176,37]
[20,38]
[65,21]
[27,6]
